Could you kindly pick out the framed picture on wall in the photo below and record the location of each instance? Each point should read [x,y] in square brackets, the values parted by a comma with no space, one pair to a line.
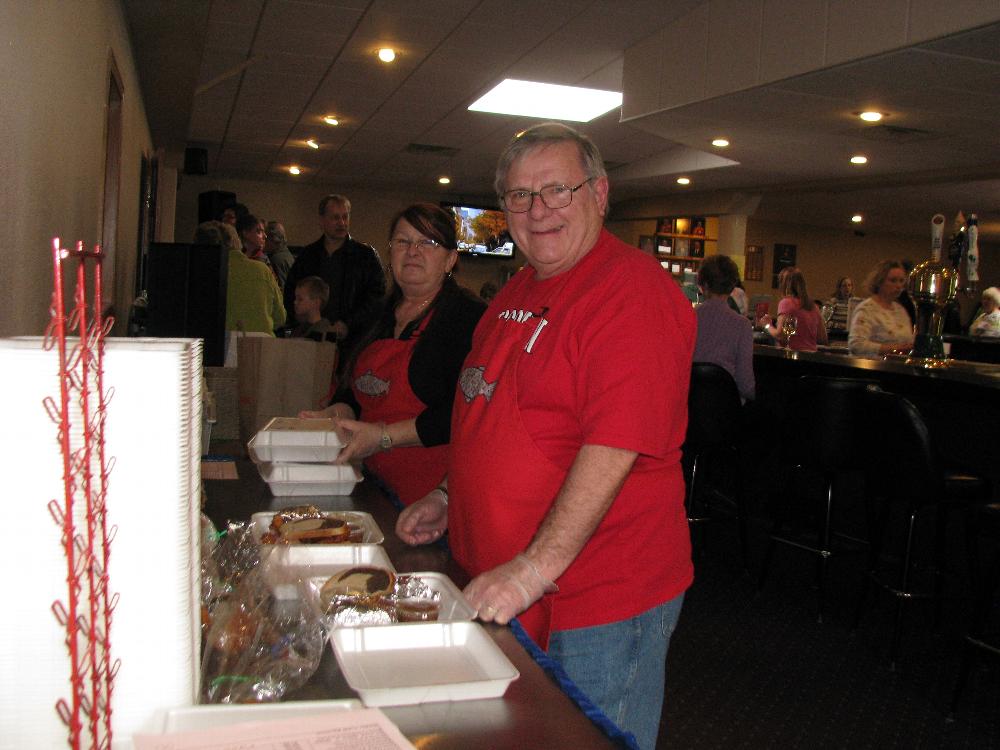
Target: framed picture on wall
[784,257]
[697,248]
[664,245]
[647,243]
[753,263]
[665,226]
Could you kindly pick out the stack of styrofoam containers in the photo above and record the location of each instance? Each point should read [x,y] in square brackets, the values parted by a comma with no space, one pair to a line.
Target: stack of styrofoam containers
[295,457]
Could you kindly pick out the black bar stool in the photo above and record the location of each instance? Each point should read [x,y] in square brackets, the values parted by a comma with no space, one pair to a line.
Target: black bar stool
[824,426]
[906,473]
[715,426]
[983,544]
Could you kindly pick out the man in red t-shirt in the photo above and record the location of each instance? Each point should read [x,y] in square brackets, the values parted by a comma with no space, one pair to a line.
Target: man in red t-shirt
[567,497]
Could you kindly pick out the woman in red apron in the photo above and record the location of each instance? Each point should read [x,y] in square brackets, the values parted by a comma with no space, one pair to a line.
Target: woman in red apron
[395,409]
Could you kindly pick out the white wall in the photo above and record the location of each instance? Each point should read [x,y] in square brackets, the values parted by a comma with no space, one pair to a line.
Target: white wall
[55,56]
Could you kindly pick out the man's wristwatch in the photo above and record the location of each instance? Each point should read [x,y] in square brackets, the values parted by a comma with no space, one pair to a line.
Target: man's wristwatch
[385,442]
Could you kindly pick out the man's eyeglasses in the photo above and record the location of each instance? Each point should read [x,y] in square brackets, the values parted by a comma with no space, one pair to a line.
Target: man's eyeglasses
[553,196]
[402,244]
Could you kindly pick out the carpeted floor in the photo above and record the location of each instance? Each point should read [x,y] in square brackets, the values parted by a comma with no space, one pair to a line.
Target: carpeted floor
[754,669]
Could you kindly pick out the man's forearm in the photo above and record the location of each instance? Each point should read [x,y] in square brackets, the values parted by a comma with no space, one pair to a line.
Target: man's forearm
[590,488]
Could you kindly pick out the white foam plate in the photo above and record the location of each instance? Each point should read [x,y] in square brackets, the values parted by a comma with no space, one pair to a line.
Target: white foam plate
[399,665]
[290,563]
[194,718]
[300,480]
[454,606]
[371,533]
[293,439]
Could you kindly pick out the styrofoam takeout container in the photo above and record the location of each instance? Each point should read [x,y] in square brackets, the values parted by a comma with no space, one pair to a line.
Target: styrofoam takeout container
[371,533]
[301,480]
[296,440]
[289,563]
[400,665]
[454,607]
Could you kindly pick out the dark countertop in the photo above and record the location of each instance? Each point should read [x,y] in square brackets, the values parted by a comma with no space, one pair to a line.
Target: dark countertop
[957,371]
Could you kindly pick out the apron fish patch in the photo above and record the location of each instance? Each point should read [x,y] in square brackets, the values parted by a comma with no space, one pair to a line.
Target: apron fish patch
[371,385]
[474,384]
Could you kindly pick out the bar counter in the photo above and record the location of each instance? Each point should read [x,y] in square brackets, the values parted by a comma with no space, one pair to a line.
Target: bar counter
[534,712]
[960,402]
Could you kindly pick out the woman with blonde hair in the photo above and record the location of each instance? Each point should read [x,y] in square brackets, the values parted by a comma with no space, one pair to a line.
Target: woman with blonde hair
[880,324]
[797,305]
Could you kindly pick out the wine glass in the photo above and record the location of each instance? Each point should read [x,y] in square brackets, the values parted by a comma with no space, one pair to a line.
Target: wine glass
[788,328]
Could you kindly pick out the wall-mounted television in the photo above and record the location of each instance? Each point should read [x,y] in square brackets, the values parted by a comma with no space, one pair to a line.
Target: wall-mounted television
[481,231]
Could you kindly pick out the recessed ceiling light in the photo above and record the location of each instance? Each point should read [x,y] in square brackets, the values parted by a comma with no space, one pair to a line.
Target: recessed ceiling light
[720,143]
[331,120]
[387,54]
[295,170]
[859,159]
[547,100]
[857,218]
[311,143]
[683,180]
[444,180]
[871,116]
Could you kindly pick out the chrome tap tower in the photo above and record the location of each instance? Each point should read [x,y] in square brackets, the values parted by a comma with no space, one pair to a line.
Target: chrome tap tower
[933,286]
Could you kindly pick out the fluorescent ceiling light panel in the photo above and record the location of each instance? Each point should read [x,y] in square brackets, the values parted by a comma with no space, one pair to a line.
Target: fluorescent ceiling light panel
[547,101]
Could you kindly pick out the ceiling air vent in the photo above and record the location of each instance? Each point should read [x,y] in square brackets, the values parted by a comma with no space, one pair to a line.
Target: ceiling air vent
[426,149]
[897,134]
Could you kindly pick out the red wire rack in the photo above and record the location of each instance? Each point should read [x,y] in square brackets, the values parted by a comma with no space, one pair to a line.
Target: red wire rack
[81,514]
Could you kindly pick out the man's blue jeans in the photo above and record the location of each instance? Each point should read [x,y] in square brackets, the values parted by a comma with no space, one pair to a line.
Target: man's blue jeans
[621,666]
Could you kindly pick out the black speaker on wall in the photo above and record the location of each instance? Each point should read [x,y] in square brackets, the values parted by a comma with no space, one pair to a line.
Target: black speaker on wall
[195,160]
[211,203]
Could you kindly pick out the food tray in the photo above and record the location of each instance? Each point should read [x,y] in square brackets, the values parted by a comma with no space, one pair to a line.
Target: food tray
[289,563]
[297,480]
[192,718]
[454,606]
[371,533]
[292,439]
[400,665]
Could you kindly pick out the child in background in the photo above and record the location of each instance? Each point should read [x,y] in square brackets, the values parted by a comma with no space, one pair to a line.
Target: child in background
[311,296]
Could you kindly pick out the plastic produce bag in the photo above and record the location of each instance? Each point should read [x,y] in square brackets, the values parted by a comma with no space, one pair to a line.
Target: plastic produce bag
[259,646]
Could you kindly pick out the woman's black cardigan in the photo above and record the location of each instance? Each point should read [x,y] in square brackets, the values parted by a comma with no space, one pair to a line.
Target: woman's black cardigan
[437,356]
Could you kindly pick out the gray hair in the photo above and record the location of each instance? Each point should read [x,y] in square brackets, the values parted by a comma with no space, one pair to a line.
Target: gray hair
[272,226]
[545,134]
[217,233]
[992,293]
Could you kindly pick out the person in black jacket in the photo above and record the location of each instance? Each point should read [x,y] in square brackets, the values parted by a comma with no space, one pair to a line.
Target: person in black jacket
[352,270]
[394,405]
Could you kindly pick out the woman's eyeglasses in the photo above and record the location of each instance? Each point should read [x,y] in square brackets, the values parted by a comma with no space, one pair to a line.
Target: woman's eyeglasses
[404,245]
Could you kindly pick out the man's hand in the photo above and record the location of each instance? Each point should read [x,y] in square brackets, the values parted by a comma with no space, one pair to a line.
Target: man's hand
[507,590]
[425,521]
[339,330]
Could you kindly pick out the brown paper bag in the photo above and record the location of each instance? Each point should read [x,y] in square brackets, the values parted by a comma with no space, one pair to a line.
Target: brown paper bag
[280,378]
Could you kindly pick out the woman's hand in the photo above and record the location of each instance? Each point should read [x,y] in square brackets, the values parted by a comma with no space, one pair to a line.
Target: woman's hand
[361,439]
[425,521]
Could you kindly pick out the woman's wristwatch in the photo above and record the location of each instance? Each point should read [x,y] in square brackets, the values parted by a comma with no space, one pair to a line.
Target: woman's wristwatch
[385,442]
